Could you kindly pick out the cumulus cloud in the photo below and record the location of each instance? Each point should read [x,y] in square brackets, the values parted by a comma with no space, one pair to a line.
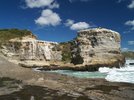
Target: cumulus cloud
[131,42]
[130,23]
[76,25]
[69,22]
[79,26]
[41,3]
[131,5]
[47,18]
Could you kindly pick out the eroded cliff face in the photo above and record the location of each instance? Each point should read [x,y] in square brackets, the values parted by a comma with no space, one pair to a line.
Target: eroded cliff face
[92,48]
[29,48]
[99,46]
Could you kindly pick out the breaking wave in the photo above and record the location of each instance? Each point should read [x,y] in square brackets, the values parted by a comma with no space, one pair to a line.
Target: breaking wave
[123,74]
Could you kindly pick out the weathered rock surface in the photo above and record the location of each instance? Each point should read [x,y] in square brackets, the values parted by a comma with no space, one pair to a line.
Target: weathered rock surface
[91,49]
[29,48]
[98,47]
[58,87]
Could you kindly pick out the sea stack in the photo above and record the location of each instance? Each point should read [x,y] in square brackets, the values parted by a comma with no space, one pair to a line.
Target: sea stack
[97,47]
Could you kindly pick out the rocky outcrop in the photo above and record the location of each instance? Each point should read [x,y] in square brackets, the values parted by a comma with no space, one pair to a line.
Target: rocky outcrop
[63,85]
[29,48]
[97,47]
[91,49]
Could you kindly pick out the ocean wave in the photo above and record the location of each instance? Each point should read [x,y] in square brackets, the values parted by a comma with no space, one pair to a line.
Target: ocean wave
[123,74]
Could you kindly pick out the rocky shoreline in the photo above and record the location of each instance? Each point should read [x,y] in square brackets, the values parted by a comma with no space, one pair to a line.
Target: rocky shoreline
[61,87]
[62,66]
[91,49]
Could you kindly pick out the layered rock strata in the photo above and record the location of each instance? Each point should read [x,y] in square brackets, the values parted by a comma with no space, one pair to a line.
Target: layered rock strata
[31,49]
[91,49]
[98,47]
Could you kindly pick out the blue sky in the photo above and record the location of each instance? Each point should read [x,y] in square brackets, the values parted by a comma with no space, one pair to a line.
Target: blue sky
[59,20]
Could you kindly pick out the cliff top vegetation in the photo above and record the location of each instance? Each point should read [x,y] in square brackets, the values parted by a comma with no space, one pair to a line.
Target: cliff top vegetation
[7,34]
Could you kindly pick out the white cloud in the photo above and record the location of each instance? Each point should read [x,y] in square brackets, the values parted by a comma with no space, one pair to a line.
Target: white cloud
[69,22]
[131,5]
[130,23]
[131,42]
[41,3]
[76,26]
[47,18]
[79,26]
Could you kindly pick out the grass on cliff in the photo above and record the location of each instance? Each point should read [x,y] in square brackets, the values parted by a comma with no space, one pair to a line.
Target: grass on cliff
[7,34]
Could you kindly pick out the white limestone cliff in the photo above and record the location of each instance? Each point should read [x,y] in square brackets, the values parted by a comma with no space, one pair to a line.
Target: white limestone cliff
[92,48]
[29,48]
[98,46]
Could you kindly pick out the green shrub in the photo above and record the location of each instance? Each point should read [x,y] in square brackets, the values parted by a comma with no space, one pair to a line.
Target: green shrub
[66,51]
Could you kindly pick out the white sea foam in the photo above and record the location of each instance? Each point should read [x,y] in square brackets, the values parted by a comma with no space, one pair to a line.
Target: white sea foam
[123,74]
[104,69]
[119,76]
[37,69]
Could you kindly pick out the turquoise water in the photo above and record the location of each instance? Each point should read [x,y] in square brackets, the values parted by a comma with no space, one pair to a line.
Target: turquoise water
[80,74]
[122,74]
